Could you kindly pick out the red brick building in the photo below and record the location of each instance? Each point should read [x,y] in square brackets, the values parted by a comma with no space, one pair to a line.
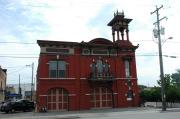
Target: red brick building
[97,74]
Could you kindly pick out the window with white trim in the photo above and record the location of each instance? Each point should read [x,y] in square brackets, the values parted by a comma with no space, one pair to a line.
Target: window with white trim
[130,94]
[127,68]
[57,69]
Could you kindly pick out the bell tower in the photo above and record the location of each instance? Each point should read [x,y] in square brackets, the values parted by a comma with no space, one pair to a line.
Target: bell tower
[119,25]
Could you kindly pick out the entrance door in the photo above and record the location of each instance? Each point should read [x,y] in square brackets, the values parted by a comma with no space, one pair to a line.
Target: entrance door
[57,99]
[101,97]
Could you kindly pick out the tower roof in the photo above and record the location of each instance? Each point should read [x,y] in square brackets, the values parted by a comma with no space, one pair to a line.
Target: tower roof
[119,17]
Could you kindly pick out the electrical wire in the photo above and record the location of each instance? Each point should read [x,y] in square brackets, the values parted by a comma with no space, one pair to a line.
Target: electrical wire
[17,70]
[15,66]
[18,57]
[144,55]
[33,43]
[18,43]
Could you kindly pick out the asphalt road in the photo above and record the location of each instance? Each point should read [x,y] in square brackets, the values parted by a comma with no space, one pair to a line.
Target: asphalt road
[127,113]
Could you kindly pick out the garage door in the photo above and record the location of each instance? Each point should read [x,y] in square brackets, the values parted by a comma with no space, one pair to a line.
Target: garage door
[101,97]
[57,99]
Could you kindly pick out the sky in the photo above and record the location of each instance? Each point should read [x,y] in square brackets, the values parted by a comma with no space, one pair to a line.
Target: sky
[23,22]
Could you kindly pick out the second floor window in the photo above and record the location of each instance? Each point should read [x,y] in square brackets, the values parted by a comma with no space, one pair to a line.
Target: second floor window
[57,69]
[99,66]
[127,68]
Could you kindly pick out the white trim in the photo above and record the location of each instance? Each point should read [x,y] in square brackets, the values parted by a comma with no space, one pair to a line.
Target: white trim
[72,95]
[124,78]
[88,94]
[115,93]
[56,78]
[119,78]
[43,95]
[129,99]
[83,78]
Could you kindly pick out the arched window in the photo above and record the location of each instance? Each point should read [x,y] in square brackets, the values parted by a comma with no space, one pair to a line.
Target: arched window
[57,69]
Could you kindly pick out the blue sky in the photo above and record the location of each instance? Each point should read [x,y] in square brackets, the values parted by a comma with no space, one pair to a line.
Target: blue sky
[27,21]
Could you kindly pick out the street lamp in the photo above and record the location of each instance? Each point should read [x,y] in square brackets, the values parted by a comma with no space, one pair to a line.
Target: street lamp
[32,66]
[169,38]
[170,56]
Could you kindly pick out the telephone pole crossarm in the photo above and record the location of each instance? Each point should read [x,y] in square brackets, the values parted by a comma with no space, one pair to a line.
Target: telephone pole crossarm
[160,20]
[157,9]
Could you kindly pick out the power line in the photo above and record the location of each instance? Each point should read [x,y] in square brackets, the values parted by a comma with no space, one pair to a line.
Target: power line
[15,66]
[173,41]
[18,57]
[151,40]
[141,40]
[36,43]
[145,55]
[17,54]
[17,70]
[18,43]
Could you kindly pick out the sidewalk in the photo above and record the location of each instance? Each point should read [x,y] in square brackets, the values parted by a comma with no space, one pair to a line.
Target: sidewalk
[128,113]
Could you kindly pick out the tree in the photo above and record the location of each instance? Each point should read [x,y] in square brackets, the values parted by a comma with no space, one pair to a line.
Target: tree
[167,81]
[171,87]
[145,95]
[142,87]
[156,94]
[176,78]
[152,95]
[172,94]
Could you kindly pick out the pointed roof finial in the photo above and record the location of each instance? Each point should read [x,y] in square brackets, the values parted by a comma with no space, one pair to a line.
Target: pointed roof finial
[122,12]
[117,12]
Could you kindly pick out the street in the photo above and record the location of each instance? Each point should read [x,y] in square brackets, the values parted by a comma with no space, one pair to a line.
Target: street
[126,113]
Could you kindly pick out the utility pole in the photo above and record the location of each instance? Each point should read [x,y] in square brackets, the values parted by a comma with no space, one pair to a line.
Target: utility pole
[163,96]
[32,66]
[20,95]
[32,81]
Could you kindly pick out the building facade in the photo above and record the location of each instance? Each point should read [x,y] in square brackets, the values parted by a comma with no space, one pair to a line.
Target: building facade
[97,74]
[3,77]
[24,88]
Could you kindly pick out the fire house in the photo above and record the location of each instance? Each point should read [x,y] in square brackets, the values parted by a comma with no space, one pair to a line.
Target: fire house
[100,73]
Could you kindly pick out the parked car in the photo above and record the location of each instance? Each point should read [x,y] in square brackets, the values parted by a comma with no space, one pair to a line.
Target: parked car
[18,105]
[1,103]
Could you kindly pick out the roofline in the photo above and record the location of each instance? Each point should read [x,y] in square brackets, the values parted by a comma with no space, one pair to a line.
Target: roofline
[49,42]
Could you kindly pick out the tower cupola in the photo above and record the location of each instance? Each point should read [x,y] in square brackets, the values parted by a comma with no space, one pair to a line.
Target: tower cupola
[119,25]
